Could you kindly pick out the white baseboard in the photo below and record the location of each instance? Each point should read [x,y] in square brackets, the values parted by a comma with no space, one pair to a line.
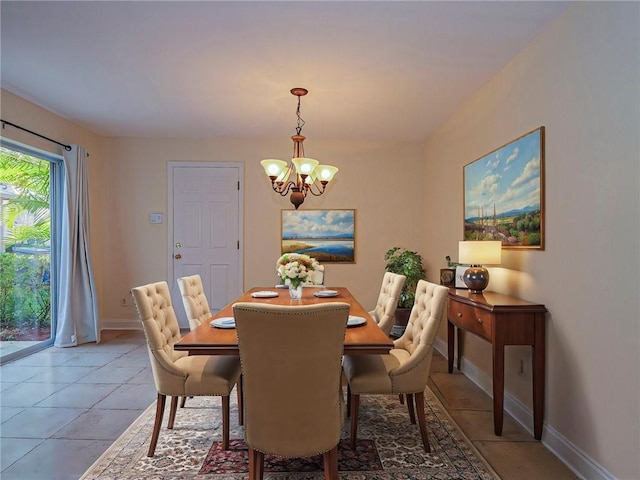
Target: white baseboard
[579,462]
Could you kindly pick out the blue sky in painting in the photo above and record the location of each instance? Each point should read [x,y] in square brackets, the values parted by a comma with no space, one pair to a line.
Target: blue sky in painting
[508,177]
[318,223]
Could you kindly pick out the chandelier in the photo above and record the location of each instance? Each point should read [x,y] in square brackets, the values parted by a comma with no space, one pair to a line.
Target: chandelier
[302,175]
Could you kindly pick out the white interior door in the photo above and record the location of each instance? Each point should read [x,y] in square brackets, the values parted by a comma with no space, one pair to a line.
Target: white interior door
[205,230]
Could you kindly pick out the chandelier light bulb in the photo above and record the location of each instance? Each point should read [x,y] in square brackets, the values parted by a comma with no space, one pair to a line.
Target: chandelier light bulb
[326,172]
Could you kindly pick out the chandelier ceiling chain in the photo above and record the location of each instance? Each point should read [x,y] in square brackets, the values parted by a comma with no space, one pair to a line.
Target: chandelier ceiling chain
[301,122]
[301,175]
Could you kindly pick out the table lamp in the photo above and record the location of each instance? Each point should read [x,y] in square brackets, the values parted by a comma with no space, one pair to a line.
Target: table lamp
[476,254]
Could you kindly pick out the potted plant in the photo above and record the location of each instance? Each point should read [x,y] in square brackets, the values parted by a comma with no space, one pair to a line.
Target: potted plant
[408,263]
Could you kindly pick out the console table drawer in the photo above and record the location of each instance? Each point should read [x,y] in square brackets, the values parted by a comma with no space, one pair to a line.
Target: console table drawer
[474,320]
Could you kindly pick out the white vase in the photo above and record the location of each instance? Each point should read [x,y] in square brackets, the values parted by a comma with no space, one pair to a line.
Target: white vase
[295,292]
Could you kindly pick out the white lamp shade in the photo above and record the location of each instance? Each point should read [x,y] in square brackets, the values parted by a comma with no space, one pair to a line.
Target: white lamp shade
[480,252]
[273,167]
[325,173]
[304,166]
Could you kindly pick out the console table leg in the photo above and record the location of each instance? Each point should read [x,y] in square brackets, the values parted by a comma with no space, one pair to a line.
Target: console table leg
[460,346]
[538,377]
[450,341]
[498,387]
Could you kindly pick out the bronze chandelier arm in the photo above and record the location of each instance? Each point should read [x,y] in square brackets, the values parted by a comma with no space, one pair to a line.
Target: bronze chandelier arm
[282,188]
[314,184]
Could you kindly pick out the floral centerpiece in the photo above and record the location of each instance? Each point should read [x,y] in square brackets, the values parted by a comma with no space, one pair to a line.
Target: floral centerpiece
[294,268]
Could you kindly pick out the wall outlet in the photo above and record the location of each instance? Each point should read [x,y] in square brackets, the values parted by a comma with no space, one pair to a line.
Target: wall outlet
[123,302]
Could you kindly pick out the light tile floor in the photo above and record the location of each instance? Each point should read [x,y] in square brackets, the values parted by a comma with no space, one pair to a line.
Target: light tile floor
[62,407]
[515,455]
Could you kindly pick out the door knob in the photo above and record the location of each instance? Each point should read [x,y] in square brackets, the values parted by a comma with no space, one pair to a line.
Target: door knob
[177,256]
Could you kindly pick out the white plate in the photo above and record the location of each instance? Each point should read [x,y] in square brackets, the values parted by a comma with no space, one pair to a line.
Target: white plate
[356,321]
[264,294]
[223,322]
[326,293]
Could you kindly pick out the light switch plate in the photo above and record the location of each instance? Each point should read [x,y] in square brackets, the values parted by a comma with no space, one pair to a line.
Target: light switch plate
[155,218]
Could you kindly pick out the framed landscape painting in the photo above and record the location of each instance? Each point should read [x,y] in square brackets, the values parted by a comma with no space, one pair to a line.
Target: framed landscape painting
[326,235]
[504,194]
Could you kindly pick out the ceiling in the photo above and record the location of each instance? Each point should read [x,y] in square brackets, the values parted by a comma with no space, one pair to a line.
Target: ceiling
[389,71]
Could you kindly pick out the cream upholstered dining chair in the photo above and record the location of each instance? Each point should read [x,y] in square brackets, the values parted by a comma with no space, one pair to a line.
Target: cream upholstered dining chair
[196,305]
[405,369]
[177,374]
[384,312]
[194,300]
[316,277]
[292,380]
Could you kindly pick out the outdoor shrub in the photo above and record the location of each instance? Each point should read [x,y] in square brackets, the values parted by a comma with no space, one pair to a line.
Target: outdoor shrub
[24,291]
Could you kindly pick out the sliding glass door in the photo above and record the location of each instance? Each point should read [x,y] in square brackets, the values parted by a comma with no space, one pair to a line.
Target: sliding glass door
[28,186]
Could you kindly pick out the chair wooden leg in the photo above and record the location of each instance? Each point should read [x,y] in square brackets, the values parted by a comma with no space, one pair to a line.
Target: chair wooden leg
[160,402]
[422,421]
[260,462]
[252,464]
[256,464]
[355,404]
[183,401]
[225,422]
[401,398]
[331,464]
[172,412]
[240,404]
[412,415]
[348,400]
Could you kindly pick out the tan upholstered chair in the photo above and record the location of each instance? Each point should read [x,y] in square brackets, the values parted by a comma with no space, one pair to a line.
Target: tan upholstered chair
[194,300]
[292,380]
[316,277]
[196,305]
[175,373]
[405,369]
[384,312]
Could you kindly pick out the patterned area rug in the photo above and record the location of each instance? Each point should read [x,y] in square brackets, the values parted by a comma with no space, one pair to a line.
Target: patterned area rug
[391,447]
[236,460]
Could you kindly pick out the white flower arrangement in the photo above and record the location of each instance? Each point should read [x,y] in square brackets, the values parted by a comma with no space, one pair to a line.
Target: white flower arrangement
[294,268]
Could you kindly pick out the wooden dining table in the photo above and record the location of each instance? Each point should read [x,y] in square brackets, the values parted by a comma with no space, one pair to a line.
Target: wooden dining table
[365,339]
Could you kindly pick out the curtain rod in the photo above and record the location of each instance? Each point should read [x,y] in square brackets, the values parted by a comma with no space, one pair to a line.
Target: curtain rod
[4,122]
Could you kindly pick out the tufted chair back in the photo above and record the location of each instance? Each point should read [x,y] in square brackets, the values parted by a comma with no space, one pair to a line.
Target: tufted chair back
[405,369]
[290,358]
[414,349]
[194,300]
[384,312]
[177,374]
[161,331]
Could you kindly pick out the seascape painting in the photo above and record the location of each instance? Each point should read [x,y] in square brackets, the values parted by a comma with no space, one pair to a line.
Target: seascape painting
[504,194]
[326,235]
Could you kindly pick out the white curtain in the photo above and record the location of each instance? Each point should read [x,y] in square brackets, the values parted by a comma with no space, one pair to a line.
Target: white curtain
[77,306]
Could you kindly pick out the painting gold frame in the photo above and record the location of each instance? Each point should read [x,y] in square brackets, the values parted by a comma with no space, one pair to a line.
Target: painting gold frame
[329,236]
[504,194]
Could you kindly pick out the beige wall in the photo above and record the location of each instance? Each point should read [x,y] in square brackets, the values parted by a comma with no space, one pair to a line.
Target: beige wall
[135,252]
[580,79]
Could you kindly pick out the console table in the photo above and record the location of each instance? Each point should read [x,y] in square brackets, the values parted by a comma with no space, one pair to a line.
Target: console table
[501,320]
